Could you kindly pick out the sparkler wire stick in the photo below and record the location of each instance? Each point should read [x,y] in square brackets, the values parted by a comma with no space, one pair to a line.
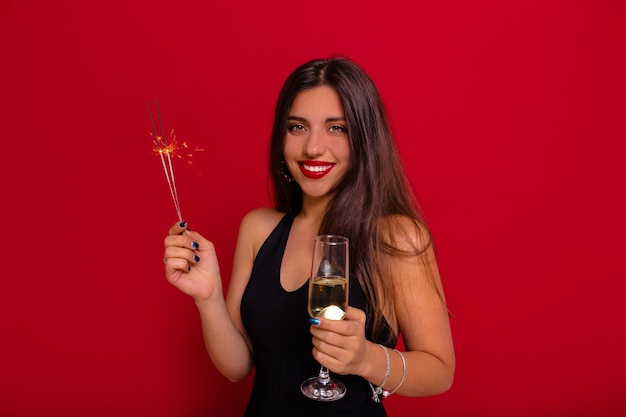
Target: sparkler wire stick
[156,106]
[163,147]
[169,174]
[173,189]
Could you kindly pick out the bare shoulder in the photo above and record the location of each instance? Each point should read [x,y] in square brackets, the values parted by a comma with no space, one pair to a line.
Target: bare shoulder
[255,227]
[261,215]
[257,224]
[406,234]
[411,257]
[261,220]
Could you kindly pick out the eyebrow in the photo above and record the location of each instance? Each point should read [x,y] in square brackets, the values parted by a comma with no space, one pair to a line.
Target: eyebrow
[330,119]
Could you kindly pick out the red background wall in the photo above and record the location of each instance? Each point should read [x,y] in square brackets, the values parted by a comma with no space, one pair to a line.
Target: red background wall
[510,117]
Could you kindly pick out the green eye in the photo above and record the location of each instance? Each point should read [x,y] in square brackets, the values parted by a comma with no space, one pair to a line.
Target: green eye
[338,129]
[295,127]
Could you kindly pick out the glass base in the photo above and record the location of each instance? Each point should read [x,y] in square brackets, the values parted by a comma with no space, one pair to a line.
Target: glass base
[330,390]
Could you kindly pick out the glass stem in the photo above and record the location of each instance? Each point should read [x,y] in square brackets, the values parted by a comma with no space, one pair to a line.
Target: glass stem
[324,376]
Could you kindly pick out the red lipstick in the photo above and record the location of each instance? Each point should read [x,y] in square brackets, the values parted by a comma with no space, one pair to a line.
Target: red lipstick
[315,169]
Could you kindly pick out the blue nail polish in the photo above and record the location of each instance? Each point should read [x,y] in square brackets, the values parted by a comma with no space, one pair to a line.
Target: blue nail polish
[314,320]
[196,258]
[195,245]
[183,224]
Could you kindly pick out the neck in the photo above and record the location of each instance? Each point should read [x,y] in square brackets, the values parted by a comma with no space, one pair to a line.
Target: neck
[313,209]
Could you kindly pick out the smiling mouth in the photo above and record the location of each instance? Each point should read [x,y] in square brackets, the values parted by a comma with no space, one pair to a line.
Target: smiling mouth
[315,170]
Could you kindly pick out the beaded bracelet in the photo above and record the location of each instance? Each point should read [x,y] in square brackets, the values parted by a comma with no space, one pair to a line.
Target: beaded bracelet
[376,392]
[388,393]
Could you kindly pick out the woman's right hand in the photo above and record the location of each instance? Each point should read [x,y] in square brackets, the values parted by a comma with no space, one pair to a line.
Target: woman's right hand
[191,263]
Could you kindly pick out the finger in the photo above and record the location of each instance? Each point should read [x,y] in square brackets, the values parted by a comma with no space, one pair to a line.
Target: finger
[188,240]
[353,313]
[322,348]
[353,321]
[178,228]
[332,344]
[333,331]
[175,252]
[174,266]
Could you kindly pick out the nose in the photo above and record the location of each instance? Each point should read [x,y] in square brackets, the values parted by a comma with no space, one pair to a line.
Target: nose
[314,144]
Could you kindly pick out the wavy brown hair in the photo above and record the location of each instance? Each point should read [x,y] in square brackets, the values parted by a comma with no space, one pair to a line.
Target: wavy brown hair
[372,193]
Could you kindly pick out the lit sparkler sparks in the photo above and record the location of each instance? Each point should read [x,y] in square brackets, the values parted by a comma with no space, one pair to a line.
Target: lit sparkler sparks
[166,149]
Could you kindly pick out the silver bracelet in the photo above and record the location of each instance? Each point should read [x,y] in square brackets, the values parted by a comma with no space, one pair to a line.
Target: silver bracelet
[376,392]
[388,393]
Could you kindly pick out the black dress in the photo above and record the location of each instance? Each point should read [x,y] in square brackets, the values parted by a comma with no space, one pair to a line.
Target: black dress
[277,322]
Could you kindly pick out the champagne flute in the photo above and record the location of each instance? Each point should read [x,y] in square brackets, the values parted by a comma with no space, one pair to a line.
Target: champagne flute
[328,298]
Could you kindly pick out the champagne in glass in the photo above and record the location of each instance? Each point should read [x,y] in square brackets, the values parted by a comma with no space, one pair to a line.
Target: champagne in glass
[328,298]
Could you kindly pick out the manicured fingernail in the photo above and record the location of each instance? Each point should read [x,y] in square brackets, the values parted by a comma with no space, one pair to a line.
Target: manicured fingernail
[182,224]
[195,245]
[196,258]
[314,320]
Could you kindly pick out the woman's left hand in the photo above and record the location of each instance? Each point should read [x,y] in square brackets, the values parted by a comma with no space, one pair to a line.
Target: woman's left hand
[340,345]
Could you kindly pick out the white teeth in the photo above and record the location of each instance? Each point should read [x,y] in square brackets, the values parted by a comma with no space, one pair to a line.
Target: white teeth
[316,168]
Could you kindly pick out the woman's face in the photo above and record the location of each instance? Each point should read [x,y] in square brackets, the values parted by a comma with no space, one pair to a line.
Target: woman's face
[317,146]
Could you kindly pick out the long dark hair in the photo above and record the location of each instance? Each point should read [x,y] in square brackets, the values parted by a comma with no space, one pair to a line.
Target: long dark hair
[371,194]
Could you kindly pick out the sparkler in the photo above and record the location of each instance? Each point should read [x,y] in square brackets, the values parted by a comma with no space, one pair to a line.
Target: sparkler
[165,151]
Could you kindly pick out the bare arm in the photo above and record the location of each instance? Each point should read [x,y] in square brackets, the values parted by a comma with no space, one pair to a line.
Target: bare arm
[224,335]
[425,327]
[422,318]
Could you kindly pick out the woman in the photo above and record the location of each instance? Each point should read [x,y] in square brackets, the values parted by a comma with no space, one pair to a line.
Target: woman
[335,170]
